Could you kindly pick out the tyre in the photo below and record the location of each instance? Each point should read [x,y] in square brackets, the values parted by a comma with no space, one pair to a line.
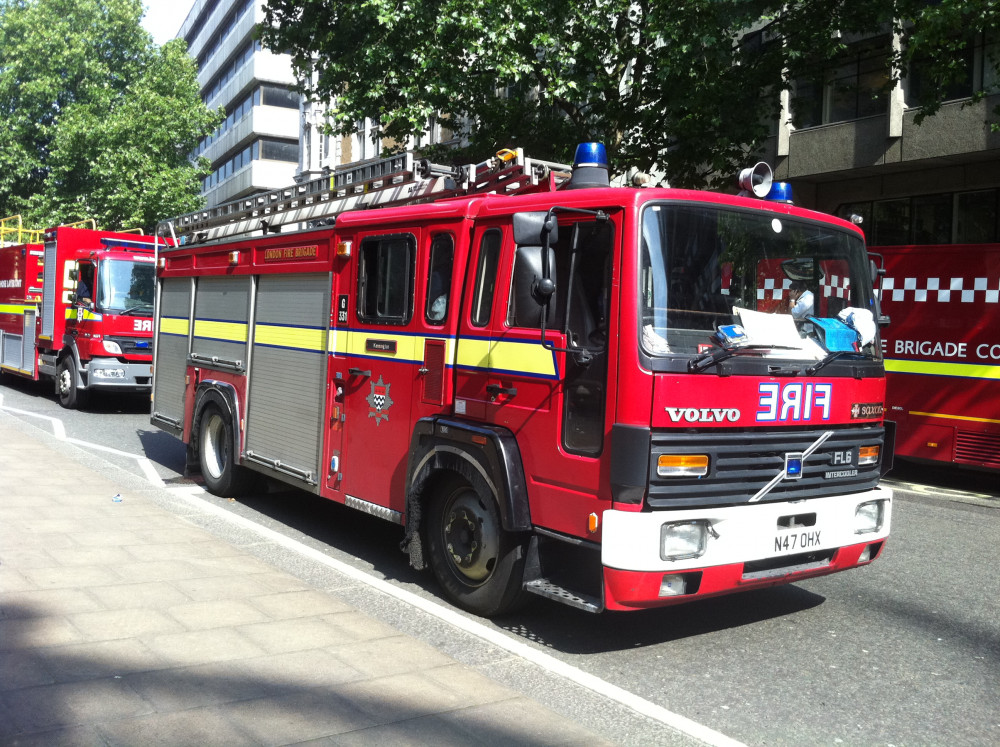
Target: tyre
[66,380]
[223,477]
[479,564]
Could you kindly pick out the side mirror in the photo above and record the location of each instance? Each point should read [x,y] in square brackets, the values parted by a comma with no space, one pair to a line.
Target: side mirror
[535,229]
[74,274]
[529,300]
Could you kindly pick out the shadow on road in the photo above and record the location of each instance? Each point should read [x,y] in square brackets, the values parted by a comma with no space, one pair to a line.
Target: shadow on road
[566,629]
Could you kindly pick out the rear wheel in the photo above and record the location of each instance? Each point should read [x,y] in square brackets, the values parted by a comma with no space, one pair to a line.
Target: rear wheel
[215,454]
[66,380]
[479,564]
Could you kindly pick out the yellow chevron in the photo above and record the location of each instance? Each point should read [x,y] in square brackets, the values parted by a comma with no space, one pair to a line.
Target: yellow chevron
[954,417]
[12,308]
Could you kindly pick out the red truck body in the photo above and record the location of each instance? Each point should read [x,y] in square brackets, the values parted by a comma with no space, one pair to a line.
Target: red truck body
[105,345]
[942,351]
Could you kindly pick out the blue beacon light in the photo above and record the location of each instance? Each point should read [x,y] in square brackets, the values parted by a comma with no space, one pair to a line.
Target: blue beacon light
[591,154]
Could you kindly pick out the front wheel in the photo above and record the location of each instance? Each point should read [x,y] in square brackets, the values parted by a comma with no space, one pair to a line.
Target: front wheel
[66,378]
[222,475]
[479,564]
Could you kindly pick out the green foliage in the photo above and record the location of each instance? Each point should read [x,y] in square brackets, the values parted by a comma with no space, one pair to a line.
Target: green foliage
[681,84]
[99,121]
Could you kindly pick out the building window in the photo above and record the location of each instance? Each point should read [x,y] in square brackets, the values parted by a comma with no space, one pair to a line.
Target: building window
[855,85]
[279,150]
[921,89]
[279,96]
[952,218]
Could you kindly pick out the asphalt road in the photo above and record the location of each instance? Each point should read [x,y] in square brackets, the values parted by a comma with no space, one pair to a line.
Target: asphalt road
[903,652]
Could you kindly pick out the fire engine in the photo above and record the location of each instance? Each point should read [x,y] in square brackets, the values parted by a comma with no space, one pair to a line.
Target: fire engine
[942,351]
[76,307]
[591,394]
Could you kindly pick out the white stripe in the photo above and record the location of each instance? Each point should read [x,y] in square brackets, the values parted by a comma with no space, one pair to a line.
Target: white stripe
[545,661]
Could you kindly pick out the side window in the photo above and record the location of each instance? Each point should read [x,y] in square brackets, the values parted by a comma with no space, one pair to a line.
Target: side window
[385,279]
[486,277]
[439,280]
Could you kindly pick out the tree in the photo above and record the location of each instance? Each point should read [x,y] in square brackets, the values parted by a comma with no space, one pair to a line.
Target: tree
[692,85]
[98,121]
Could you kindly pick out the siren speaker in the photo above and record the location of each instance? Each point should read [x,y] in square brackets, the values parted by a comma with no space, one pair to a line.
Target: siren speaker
[757,180]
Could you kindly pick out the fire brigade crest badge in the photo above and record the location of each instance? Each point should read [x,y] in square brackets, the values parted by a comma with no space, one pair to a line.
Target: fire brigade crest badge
[379,400]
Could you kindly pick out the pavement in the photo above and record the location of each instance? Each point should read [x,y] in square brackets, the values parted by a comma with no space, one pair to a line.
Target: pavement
[122,622]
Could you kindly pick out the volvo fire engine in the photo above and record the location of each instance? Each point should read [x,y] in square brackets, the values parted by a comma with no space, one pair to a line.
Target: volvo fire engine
[76,307]
[942,351]
[596,395]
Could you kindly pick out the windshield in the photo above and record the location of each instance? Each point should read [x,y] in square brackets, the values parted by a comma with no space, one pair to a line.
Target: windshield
[716,277]
[124,286]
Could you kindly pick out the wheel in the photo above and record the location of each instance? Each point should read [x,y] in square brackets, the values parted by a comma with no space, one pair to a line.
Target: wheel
[479,564]
[69,396]
[222,475]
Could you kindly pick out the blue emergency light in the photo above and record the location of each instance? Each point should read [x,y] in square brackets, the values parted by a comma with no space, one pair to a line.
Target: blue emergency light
[590,167]
[780,192]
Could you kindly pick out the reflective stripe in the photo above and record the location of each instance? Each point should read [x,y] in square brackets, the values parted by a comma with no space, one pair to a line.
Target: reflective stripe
[967,370]
[226,331]
[296,338]
[954,417]
[174,326]
[15,308]
[88,315]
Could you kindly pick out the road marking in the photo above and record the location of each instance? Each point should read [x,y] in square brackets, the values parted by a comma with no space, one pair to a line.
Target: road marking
[545,661]
[59,432]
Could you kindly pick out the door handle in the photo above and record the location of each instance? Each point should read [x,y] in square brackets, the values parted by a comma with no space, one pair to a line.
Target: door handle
[496,389]
[359,372]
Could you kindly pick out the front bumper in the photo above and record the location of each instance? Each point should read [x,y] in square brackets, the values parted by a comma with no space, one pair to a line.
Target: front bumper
[110,374]
[749,547]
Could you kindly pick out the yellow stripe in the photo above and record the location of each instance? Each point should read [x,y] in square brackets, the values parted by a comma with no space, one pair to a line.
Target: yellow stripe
[954,417]
[170,326]
[14,308]
[230,331]
[523,357]
[473,353]
[290,337]
[969,370]
[88,315]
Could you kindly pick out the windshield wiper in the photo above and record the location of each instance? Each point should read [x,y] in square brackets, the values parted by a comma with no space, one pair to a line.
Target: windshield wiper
[697,365]
[830,358]
[144,309]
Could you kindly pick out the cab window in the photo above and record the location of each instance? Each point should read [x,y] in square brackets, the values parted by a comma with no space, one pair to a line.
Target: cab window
[386,268]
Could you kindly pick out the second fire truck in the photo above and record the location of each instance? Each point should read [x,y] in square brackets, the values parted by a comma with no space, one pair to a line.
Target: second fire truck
[592,394]
[76,308]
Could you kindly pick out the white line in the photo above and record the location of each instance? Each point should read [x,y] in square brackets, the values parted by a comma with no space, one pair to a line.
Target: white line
[58,429]
[545,661]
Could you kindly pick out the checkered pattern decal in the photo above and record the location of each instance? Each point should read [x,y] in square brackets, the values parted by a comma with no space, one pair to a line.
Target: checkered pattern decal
[775,290]
[942,290]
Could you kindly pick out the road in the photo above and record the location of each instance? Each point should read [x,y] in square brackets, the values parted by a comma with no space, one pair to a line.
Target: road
[903,652]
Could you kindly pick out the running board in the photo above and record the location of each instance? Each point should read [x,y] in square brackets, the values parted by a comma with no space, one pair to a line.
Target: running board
[543,587]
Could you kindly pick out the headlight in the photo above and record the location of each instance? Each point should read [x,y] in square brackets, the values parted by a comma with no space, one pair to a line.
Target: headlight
[112,347]
[868,517]
[682,540]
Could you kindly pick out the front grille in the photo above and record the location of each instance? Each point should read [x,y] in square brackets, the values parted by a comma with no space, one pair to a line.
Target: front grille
[743,462]
[133,345]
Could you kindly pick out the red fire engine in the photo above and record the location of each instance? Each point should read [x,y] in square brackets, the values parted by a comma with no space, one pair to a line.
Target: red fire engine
[77,308]
[557,387]
[942,351]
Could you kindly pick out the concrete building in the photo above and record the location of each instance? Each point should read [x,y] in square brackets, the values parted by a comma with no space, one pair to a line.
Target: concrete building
[849,144]
[257,147]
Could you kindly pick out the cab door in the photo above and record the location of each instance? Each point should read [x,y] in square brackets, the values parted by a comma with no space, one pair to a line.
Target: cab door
[553,396]
[378,373]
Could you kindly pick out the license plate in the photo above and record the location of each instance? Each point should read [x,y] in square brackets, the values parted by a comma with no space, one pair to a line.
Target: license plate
[797,540]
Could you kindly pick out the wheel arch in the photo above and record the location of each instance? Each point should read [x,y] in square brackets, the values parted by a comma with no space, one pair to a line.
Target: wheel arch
[223,396]
[487,457]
